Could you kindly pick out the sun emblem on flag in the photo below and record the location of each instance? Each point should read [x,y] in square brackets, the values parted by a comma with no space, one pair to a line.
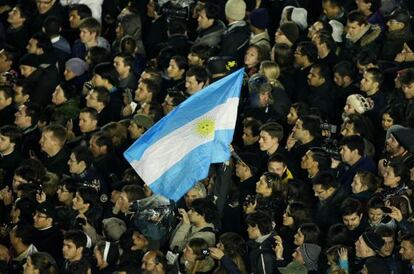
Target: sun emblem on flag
[205,127]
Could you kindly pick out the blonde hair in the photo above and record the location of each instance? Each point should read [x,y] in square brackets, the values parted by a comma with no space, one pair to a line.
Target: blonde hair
[271,70]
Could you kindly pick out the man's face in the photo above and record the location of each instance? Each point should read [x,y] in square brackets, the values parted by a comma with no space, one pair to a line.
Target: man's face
[47,141]
[120,65]
[354,29]
[314,79]
[173,71]
[32,46]
[298,130]
[5,144]
[19,97]
[148,264]
[299,57]
[194,60]
[408,90]
[339,80]
[190,196]
[367,83]
[94,148]
[58,96]
[292,116]
[44,6]
[26,71]
[266,141]
[139,241]
[320,193]
[74,19]
[253,232]
[75,167]
[70,252]
[192,85]
[362,250]
[87,36]
[329,9]
[203,21]
[92,100]
[307,160]
[167,105]
[21,119]
[86,123]
[347,155]
[15,17]
[352,221]
[407,251]
[392,146]
[64,195]
[4,102]
[248,138]
[277,167]
[388,247]
[375,215]
[40,220]
[141,93]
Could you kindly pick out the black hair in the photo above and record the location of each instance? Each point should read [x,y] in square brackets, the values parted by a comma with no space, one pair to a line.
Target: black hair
[206,208]
[345,68]
[78,238]
[274,129]
[260,219]
[350,206]
[83,10]
[312,124]
[326,180]
[52,25]
[13,133]
[107,71]
[199,72]
[308,49]
[354,142]
[311,233]
[83,154]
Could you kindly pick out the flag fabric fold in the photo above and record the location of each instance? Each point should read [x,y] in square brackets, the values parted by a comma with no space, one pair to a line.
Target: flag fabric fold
[177,151]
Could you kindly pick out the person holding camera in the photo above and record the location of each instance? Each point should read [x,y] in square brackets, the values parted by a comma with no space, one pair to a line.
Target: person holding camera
[196,259]
[195,223]
[229,252]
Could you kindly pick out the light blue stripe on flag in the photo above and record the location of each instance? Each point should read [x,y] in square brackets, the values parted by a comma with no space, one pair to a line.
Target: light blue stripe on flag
[177,151]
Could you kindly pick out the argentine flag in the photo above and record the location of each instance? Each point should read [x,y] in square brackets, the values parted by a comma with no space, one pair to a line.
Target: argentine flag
[177,151]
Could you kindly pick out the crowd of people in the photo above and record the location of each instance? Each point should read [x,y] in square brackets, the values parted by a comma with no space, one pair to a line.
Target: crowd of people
[321,174]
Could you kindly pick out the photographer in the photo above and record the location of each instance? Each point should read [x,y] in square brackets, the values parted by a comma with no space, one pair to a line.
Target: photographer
[195,257]
[229,251]
[195,223]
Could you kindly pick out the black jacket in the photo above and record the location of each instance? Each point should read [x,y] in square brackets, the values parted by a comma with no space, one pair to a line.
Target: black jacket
[262,258]
[235,41]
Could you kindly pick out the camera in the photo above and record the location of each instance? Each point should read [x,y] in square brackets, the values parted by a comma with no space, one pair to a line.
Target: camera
[205,253]
[250,199]
[329,127]
[174,9]
[331,147]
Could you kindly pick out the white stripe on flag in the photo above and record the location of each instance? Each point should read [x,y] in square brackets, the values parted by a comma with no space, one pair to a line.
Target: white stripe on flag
[170,149]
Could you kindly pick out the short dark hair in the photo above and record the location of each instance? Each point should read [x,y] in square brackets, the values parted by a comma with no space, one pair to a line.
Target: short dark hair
[308,49]
[354,142]
[91,24]
[300,213]
[199,72]
[107,71]
[83,10]
[58,131]
[93,113]
[326,180]
[134,192]
[206,208]
[377,75]
[321,157]
[152,86]
[345,68]
[254,126]
[357,16]
[7,91]
[212,10]
[260,219]
[350,206]
[127,59]
[365,57]
[400,170]
[78,238]
[275,130]
[181,61]
[375,202]
[326,38]
[82,153]
[176,27]
[323,71]
[202,51]
[43,41]
[312,124]
[102,95]
[52,25]
[103,139]
[177,96]
[311,233]
[24,232]
[13,133]
[301,108]
[407,77]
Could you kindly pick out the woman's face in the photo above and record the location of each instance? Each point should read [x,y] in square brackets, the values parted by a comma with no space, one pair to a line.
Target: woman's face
[386,121]
[357,185]
[299,238]
[287,218]
[251,57]
[189,254]
[349,109]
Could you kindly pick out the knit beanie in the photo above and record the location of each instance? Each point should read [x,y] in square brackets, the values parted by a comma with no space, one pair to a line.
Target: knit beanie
[291,31]
[403,135]
[235,9]
[310,254]
[259,18]
[30,59]
[111,253]
[77,66]
[360,103]
[373,240]
[337,30]
[300,17]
